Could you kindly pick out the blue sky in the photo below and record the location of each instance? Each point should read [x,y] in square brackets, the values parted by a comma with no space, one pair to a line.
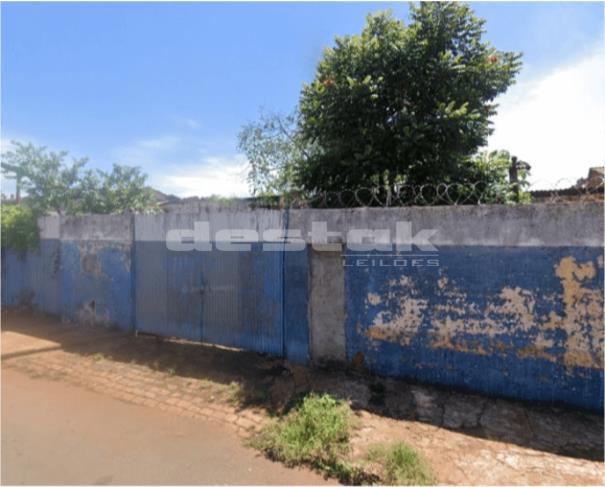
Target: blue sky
[167,86]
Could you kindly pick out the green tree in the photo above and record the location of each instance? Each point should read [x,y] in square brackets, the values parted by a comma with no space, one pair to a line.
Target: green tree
[123,190]
[52,185]
[274,148]
[19,227]
[485,178]
[13,166]
[401,104]
[488,176]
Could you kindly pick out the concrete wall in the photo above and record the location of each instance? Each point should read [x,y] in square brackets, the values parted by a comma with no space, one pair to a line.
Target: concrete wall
[97,281]
[327,307]
[33,278]
[81,270]
[509,302]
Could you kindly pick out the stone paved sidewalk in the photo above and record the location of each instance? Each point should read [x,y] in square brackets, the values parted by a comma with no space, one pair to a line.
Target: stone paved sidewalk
[468,439]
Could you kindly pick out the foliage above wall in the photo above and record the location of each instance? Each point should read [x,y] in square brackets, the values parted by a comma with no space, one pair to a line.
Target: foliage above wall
[394,105]
[52,185]
[19,227]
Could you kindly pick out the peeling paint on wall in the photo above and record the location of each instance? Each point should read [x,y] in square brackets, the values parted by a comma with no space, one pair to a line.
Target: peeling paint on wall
[457,321]
[583,317]
[514,307]
[96,283]
[401,325]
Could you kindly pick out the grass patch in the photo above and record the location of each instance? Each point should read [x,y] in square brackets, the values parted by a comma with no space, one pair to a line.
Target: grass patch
[97,356]
[314,432]
[204,383]
[235,393]
[401,465]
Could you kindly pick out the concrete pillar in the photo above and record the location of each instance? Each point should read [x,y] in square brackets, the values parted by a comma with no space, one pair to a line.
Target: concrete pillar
[327,307]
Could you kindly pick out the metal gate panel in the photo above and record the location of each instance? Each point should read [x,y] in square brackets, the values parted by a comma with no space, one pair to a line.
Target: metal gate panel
[151,298]
[221,297]
[168,291]
[242,299]
[184,288]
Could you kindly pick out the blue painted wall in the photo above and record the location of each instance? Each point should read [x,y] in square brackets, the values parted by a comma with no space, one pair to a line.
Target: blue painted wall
[519,321]
[32,277]
[242,299]
[96,283]
[236,299]
[514,321]
[16,289]
[296,305]
[80,281]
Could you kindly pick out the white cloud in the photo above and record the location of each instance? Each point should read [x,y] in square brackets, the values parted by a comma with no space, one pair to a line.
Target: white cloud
[225,176]
[5,143]
[143,151]
[192,124]
[187,122]
[161,143]
[556,122]
[184,166]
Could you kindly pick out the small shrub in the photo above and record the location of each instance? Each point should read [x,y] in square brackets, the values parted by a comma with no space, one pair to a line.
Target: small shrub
[401,465]
[19,227]
[315,432]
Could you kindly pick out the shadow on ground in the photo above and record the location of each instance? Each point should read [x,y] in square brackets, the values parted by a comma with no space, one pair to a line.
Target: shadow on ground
[272,383]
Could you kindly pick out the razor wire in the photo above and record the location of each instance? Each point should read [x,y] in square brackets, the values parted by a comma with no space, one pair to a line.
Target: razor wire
[445,194]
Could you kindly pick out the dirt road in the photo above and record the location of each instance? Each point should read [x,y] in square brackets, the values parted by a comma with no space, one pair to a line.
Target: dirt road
[53,433]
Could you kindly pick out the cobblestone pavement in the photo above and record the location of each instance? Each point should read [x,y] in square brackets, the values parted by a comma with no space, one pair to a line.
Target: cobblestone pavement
[469,439]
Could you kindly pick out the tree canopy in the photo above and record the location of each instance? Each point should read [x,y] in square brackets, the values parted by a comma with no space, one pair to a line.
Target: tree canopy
[53,185]
[274,148]
[396,104]
[19,227]
[403,104]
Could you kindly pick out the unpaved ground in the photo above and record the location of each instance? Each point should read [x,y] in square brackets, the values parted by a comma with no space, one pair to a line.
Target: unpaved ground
[54,433]
[468,439]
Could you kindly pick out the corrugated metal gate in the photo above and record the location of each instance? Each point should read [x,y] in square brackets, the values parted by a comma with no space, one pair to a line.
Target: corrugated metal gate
[242,299]
[231,298]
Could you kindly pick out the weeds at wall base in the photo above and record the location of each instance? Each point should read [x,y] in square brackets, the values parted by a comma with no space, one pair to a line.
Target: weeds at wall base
[316,431]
